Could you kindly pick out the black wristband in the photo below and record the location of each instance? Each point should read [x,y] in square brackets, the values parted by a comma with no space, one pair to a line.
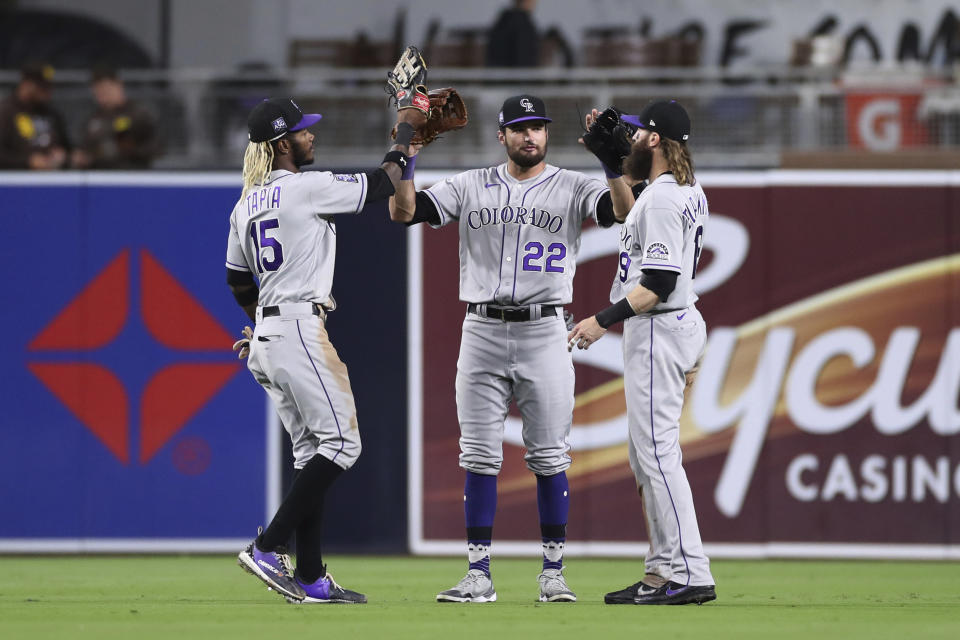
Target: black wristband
[398,158]
[405,133]
[615,313]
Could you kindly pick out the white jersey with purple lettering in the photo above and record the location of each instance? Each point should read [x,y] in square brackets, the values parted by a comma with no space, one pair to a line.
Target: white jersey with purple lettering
[664,230]
[283,231]
[519,239]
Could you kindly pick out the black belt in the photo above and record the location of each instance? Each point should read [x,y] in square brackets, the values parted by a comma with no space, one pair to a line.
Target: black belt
[269,312]
[511,314]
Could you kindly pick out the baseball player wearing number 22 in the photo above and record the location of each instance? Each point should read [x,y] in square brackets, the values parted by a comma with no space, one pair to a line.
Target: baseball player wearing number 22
[664,336]
[519,225]
[283,232]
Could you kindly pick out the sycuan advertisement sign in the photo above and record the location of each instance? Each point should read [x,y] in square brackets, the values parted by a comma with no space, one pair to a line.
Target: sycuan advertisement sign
[825,418]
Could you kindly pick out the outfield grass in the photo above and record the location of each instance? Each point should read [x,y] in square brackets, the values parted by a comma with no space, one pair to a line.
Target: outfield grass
[210,597]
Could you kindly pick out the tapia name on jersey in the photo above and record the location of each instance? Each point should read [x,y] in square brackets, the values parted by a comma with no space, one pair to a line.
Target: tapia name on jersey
[539,218]
[262,199]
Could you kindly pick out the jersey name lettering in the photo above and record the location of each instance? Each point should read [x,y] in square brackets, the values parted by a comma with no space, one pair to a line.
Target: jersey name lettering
[540,218]
[695,210]
[263,199]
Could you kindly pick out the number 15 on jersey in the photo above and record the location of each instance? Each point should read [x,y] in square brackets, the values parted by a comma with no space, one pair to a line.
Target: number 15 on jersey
[262,233]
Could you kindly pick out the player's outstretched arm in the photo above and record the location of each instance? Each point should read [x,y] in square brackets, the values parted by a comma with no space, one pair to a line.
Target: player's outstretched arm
[642,299]
[407,86]
[403,203]
[588,331]
[622,196]
[400,155]
[606,137]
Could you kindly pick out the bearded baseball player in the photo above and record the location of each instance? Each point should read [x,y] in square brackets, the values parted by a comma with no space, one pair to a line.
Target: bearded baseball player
[283,234]
[519,225]
[664,336]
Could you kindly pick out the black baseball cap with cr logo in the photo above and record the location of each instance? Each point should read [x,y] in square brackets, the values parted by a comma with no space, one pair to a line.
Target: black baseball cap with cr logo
[668,118]
[523,107]
[276,117]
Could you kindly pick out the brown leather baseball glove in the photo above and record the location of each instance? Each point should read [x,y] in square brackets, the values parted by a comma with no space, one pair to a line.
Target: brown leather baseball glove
[447,113]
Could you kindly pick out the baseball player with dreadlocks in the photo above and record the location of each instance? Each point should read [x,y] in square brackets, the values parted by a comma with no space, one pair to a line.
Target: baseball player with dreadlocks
[283,233]
[519,224]
[664,337]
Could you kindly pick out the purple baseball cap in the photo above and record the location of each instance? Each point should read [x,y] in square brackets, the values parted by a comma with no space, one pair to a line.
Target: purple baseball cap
[668,118]
[523,107]
[276,117]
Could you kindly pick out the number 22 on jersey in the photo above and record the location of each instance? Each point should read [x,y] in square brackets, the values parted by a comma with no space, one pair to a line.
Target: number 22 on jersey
[261,231]
[556,252]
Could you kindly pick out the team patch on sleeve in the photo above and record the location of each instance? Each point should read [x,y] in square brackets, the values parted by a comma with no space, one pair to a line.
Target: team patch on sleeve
[657,251]
[346,177]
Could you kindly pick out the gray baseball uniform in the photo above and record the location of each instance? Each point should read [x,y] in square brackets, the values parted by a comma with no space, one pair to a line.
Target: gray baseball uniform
[518,248]
[664,230]
[284,232]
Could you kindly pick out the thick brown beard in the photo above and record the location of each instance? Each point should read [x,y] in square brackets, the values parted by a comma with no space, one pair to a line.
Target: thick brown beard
[522,160]
[637,165]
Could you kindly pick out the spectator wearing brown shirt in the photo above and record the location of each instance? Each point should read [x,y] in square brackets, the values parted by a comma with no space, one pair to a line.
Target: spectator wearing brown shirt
[120,134]
[32,133]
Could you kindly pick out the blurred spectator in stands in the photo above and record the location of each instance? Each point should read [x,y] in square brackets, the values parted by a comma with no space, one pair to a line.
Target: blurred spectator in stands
[513,40]
[120,134]
[555,50]
[32,134]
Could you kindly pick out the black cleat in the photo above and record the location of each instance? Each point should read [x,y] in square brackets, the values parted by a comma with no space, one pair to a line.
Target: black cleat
[676,593]
[628,595]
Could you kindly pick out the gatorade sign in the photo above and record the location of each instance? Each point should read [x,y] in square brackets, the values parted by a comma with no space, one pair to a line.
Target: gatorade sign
[884,121]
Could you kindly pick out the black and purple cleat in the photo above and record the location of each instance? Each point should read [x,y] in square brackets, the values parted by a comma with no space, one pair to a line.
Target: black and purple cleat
[273,568]
[676,593]
[665,593]
[326,591]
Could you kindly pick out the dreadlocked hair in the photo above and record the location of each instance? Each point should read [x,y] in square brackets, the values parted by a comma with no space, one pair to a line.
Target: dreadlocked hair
[678,159]
[257,164]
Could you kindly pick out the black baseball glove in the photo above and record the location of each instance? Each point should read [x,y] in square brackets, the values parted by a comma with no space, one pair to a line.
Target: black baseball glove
[609,138]
[407,83]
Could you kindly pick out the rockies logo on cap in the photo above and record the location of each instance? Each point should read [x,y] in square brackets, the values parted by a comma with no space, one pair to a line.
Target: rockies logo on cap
[520,108]
[275,117]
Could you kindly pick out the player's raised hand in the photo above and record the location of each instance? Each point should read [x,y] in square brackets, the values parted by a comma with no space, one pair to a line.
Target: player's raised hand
[588,121]
[585,334]
[414,117]
[242,346]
